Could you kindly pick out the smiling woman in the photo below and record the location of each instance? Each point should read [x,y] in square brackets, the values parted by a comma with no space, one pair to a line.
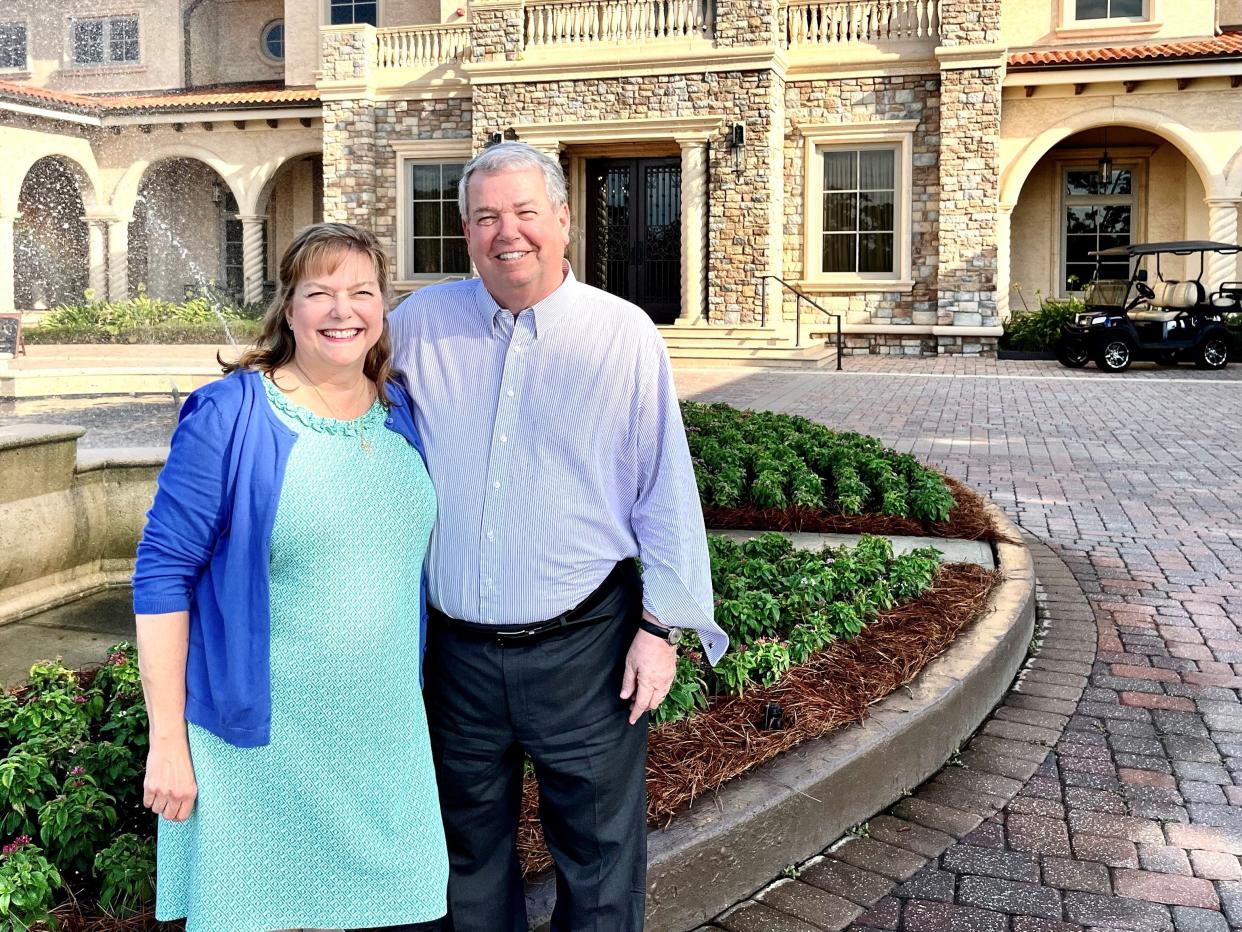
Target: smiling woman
[260,623]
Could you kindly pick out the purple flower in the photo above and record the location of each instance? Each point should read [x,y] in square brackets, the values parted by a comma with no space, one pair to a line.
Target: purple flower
[18,842]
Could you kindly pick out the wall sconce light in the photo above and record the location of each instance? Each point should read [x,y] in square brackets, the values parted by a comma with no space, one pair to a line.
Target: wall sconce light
[217,192]
[494,139]
[737,140]
[510,134]
[1105,166]
[460,11]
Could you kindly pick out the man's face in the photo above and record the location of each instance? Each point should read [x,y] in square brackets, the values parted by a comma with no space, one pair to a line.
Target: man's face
[516,237]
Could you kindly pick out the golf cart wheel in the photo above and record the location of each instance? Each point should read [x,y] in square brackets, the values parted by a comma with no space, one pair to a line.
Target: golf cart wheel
[1213,352]
[1115,355]
[1168,358]
[1072,354]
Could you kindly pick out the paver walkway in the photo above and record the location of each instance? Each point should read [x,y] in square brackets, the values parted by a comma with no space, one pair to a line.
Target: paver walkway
[1133,819]
[1116,783]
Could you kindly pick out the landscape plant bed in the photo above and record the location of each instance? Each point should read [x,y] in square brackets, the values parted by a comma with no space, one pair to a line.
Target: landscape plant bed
[968,519]
[760,470]
[696,756]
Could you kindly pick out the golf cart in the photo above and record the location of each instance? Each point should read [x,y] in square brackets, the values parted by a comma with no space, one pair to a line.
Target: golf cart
[1169,322]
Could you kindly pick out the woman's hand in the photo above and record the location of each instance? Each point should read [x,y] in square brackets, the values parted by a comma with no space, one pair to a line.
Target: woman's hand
[169,789]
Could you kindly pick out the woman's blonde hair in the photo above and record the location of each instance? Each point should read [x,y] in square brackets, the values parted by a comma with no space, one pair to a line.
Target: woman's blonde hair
[317,249]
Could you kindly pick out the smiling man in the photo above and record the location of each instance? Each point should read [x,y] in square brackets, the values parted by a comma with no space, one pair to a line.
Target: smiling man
[556,448]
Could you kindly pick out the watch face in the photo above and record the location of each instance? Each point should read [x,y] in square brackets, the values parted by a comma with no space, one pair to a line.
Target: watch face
[674,636]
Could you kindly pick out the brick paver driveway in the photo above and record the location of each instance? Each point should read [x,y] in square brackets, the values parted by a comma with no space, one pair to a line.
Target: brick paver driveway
[1134,820]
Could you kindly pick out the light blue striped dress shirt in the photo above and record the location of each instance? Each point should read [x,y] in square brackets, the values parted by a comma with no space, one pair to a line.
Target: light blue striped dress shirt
[556,447]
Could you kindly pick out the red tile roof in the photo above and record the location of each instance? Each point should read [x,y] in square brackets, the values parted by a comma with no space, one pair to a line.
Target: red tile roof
[1226,45]
[201,98]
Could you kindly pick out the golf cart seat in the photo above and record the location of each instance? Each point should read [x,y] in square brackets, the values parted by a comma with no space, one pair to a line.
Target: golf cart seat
[1229,297]
[1170,299]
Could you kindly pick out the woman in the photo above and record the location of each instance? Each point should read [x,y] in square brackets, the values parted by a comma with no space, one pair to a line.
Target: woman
[278,594]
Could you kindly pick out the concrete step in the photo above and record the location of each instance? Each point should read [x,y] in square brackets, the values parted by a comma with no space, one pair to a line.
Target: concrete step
[783,357]
[712,333]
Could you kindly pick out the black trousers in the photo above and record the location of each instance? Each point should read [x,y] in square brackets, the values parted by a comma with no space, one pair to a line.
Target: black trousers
[557,701]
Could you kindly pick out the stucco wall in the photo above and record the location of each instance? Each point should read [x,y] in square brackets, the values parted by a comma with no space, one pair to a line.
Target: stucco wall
[225,42]
[50,52]
[68,523]
[1045,22]
[295,202]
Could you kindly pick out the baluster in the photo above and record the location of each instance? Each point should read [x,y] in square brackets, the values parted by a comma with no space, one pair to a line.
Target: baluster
[933,28]
[922,9]
[575,23]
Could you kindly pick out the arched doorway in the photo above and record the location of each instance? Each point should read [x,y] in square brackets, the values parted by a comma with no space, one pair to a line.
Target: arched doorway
[291,200]
[185,237]
[50,261]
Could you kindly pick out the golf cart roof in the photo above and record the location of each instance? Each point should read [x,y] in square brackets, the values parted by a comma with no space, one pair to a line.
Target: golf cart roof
[1177,248]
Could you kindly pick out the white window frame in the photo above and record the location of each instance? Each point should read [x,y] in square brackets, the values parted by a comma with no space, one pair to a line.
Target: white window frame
[379,14]
[1136,160]
[895,134]
[1110,25]
[267,56]
[24,67]
[108,64]
[414,151]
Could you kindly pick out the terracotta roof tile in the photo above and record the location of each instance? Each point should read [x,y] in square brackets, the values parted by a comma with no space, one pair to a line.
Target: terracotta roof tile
[1225,45]
[203,98]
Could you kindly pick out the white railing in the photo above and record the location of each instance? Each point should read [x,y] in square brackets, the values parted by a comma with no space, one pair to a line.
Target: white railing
[575,22]
[419,46]
[839,22]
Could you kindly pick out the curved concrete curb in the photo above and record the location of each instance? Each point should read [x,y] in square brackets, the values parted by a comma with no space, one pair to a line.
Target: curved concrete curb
[735,841]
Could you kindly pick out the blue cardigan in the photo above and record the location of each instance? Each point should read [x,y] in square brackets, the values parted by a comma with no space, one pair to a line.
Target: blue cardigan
[206,547]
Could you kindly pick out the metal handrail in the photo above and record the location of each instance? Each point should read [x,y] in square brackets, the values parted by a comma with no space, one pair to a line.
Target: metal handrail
[799,298]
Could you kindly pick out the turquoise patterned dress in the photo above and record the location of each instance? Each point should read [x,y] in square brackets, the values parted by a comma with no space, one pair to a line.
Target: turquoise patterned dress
[335,824]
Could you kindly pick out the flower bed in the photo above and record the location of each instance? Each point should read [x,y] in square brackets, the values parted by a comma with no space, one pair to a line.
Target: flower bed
[764,471]
[143,319]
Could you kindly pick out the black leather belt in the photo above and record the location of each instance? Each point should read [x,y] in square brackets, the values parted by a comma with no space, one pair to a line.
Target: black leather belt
[625,573]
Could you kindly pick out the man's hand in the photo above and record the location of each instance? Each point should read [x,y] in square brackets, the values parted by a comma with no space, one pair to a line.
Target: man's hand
[649,669]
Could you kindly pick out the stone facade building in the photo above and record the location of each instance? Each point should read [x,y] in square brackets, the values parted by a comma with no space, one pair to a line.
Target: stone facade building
[750,172]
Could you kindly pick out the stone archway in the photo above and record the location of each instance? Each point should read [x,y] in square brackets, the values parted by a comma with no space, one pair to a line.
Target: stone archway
[184,236]
[50,237]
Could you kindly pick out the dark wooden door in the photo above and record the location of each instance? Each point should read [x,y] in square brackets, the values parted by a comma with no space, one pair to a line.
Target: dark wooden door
[634,232]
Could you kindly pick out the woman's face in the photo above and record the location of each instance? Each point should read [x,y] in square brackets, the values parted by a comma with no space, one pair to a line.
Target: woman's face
[337,316]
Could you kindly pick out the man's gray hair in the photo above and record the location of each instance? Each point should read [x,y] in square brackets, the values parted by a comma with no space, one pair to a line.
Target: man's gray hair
[508,156]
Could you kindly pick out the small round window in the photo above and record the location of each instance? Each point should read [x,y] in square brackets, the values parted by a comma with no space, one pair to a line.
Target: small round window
[273,40]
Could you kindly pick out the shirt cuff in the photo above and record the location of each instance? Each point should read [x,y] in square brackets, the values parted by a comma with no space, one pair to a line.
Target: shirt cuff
[669,599]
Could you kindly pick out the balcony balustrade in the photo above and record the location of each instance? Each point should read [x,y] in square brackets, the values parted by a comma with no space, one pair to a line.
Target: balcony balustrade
[819,23]
[576,22]
[422,46]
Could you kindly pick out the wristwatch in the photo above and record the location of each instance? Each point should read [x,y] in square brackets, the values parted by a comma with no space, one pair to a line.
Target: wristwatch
[672,635]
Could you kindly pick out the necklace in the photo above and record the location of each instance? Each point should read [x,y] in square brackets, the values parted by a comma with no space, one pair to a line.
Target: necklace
[363,442]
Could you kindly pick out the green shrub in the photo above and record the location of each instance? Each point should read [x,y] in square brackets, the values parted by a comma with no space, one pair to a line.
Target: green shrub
[28,883]
[780,605]
[1038,331]
[243,331]
[770,460]
[126,872]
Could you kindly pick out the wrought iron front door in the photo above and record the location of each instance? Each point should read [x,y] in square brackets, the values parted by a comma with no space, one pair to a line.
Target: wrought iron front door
[634,232]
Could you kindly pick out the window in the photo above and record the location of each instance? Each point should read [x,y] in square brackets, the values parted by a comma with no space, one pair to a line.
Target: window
[859,210]
[1109,9]
[13,45]
[345,12]
[272,40]
[1096,216]
[109,40]
[436,243]
[857,228]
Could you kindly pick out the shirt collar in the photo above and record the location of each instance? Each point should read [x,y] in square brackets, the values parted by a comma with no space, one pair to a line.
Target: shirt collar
[547,313]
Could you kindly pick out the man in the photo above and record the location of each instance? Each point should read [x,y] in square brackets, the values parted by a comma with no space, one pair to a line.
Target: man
[557,451]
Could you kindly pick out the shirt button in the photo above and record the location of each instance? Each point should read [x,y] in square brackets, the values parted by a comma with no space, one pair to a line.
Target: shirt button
[491,535]
[504,438]
[495,485]
[510,393]
[491,621]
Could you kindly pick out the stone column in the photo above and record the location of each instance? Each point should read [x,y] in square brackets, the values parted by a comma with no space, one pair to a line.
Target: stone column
[496,28]
[1004,259]
[118,260]
[252,257]
[7,300]
[97,256]
[693,217]
[1222,228]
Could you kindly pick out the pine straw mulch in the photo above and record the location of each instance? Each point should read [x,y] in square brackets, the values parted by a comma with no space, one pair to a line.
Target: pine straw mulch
[688,759]
[969,519]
